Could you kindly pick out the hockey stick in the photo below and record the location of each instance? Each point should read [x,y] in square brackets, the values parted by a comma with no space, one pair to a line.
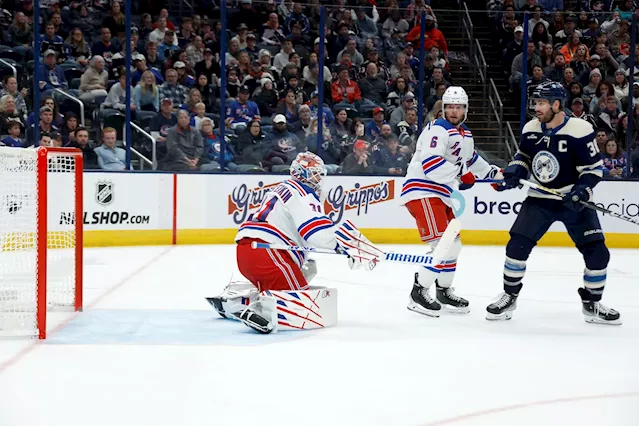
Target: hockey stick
[587,204]
[431,259]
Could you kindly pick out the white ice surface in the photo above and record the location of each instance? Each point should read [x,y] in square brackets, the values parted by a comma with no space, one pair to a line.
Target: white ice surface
[148,350]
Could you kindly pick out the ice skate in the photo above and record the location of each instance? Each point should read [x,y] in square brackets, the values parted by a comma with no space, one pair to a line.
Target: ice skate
[595,312]
[420,301]
[503,308]
[234,297]
[451,302]
[254,320]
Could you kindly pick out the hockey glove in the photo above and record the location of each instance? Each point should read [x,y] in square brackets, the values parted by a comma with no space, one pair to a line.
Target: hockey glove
[578,193]
[466,181]
[512,175]
[361,253]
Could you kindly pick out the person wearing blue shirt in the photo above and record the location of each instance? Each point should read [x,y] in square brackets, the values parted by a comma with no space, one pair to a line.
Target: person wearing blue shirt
[166,48]
[13,140]
[104,47]
[50,41]
[327,115]
[242,111]
[50,75]
[372,129]
[140,62]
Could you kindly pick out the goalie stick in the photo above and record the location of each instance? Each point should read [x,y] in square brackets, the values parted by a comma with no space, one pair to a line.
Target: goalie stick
[433,258]
[587,204]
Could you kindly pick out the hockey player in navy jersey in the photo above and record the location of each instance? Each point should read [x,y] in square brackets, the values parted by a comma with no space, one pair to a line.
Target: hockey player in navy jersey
[560,153]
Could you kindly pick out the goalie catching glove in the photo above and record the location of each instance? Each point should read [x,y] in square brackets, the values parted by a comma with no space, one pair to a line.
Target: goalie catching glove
[359,250]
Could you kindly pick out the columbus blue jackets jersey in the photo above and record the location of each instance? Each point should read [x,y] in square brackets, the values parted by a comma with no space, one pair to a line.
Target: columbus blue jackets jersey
[561,157]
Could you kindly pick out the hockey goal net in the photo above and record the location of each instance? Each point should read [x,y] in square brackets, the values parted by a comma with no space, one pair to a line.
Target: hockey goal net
[40,237]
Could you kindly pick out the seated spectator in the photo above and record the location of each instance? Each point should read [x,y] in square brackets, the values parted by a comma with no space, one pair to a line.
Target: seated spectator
[9,113]
[433,36]
[436,112]
[69,125]
[567,32]
[198,115]
[619,36]
[409,125]
[593,85]
[211,145]
[172,89]
[163,121]
[388,159]
[288,107]
[56,139]
[10,87]
[50,75]
[195,51]
[272,31]
[78,48]
[282,58]
[166,48]
[250,145]
[302,127]
[185,146]
[620,85]
[93,82]
[206,93]
[396,22]
[352,49]
[569,49]
[266,97]
[193,98]
[117,97]
[341,127]
[399,112]
[140,63]
[513,48]
[45,123]
[282,145]
[21,34]
[605,89]
[46,141]
[555,72]
[115,21]
[615,161]
[242,111]
[568,78]
[328,149]
[13,138]
[153,60]
[372,87]
[579,60]
[609,115]
[577,111]
[208,67]
[185,34]
[157,36]
[50,41]
[327,115]
[110,157]
[372,129]
[344,91]
[105,47]
[146,95]
[608,64]
[359,161]
[397,91]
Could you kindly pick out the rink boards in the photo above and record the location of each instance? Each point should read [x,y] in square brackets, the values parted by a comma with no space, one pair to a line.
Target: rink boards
[149,209]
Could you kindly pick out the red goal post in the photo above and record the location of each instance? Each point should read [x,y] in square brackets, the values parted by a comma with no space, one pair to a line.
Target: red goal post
[40,247]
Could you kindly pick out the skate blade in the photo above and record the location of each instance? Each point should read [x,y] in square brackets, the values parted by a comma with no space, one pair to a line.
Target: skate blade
[505,316]
[216,304]
[420,310]
[452,310]
[252,325]
[595,320]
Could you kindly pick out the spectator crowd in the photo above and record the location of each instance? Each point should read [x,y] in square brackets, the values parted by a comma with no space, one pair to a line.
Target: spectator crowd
[369,85]
[586,46]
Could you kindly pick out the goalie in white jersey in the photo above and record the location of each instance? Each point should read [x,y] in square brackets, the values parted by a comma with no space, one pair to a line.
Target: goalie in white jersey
[290,214]
[445,160]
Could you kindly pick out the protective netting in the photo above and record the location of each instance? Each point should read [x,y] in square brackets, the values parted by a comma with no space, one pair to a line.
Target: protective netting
[20,283]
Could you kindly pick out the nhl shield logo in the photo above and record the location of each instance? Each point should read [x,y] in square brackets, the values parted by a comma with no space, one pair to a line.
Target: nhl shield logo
[104,192]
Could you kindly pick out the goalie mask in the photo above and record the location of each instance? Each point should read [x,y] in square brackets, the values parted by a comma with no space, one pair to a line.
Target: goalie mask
[309,169]
[455,95]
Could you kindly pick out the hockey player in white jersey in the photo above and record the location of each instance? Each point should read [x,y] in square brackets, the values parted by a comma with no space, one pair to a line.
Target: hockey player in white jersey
[445,160]
[290,214]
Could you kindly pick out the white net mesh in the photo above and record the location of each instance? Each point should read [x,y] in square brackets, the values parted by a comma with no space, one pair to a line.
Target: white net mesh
[19,217]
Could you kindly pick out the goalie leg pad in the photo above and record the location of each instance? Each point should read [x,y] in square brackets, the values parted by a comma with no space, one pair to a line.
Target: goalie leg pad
[237,295]
[309,309]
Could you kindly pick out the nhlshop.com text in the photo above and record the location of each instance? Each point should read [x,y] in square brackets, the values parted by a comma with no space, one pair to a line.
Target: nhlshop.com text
[105,218]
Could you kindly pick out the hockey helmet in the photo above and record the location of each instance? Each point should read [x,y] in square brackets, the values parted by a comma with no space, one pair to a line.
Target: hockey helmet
[550,91]
[455,95]
[309,169]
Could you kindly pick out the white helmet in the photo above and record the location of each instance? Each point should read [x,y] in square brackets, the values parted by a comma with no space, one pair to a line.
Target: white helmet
[455,95]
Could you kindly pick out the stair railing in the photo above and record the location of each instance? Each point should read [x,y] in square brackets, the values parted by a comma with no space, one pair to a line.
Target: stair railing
[76,100]
[468,29]
[143,160]
[510,141]
[13,69]
[498,112]
[481,69]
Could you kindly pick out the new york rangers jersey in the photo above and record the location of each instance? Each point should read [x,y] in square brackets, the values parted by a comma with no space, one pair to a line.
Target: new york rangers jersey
[559,158]
[443,152]
[291,213]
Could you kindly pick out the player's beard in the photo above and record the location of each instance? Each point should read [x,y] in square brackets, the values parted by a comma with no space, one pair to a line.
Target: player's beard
[456,122]
[546,117]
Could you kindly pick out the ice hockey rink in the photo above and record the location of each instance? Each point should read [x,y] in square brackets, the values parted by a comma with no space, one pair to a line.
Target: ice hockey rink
[148,350]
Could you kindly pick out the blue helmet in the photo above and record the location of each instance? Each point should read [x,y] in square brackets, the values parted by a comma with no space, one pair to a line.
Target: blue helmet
[551,91]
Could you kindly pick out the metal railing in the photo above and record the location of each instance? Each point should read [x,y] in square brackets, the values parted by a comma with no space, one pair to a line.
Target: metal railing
[498,111]
[9,65]
[510,140]
[76,100]
[481,65]
[154,160]
[468,29]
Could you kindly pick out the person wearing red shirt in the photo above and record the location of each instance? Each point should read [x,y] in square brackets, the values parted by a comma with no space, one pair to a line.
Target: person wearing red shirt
[345,90]
[432,35]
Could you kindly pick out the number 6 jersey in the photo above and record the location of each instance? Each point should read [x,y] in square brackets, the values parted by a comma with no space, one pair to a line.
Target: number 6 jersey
[443,153]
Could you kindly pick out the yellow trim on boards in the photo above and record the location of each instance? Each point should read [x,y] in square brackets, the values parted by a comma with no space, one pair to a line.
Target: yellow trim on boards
[381,236]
